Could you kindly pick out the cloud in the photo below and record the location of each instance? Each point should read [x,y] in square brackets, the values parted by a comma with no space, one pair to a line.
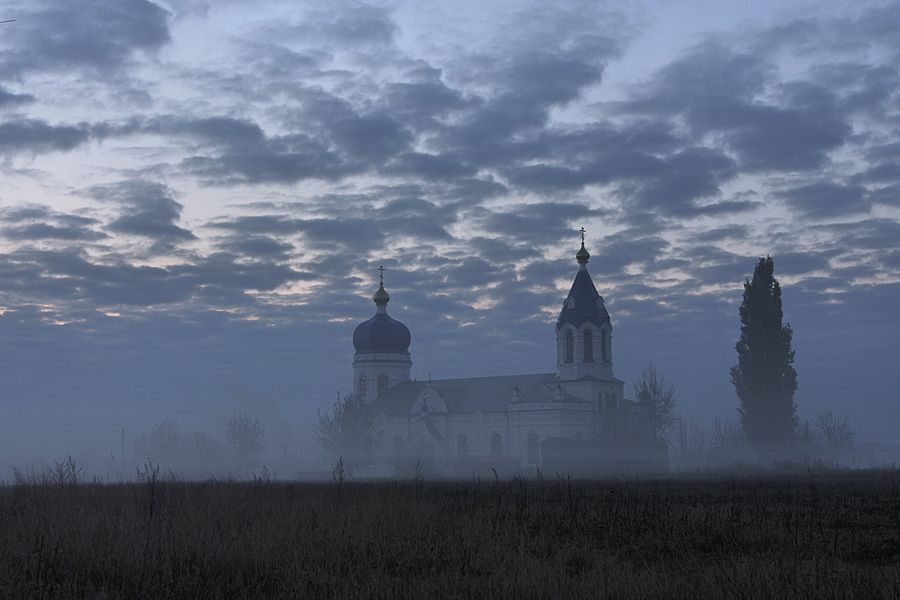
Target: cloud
[429,166]
[684,178]
[51,276]
[372,137]
[279,159]
[45,231]
[148,210]
[542,222]
[719,90]
[100,36]
[10,99]
[257,246]
[346,23]
[35,223]
[219,131]
[33,136]
[823,199]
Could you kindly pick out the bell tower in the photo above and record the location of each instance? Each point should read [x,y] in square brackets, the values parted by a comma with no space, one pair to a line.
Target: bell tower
[382,358]
[583,329]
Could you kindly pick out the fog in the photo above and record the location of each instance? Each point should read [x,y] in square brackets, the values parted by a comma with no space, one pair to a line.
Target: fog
[64,404]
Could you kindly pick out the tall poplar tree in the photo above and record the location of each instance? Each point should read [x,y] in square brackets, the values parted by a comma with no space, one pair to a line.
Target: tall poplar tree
[764,378]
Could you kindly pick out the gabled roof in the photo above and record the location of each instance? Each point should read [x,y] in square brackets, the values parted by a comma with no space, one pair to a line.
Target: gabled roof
[485,394]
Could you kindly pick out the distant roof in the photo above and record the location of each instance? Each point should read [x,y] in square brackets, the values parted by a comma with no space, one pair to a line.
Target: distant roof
[486,394]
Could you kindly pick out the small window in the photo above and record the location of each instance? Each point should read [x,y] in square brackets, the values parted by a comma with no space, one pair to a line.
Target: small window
[604,353]
[362,387]
[462,445]
[570,346]
[613,402]
[588,346]
[382,384]
[534,448]
[496,444]
[570,302]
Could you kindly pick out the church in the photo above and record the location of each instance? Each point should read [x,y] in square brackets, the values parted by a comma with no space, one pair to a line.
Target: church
[575,418]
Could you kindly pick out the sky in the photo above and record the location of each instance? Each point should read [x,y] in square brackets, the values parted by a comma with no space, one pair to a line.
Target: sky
[195,196]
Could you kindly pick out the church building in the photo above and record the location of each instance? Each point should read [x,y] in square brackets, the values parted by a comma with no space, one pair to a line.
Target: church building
[574,418]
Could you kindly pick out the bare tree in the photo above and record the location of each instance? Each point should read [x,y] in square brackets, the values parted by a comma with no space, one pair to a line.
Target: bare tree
[835,433]
[728,440]
[347,432]
[691,446]
[245,434]
[165,434]
[652,390]
[161,444]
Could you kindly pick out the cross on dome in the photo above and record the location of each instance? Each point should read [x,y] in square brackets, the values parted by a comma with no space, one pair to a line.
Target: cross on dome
[381,297]
[583,256]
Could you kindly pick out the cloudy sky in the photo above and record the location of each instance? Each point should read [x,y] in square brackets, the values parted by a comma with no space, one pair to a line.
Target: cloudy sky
[195,196]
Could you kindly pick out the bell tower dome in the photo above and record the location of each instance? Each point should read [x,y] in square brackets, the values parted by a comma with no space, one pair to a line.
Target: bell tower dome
[583,329]
[382,358]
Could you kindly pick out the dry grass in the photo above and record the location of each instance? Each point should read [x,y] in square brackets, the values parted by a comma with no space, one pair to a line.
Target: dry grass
[819,536]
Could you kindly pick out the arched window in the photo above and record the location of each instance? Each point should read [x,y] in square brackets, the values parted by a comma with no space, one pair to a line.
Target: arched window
[603,343]
[570,346]
[362,388]
[613,402]
[462,445]
[534,448]
[496,444]
[382,384]
[588,346]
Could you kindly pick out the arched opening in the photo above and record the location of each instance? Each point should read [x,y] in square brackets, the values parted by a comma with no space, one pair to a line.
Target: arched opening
[496,444]
[382,384]
[534,448]
[588,346]
[570,346]
[604,352]
[462,445]
[362,386]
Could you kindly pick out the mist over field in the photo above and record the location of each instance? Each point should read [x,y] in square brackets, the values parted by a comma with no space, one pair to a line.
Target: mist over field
[195,197]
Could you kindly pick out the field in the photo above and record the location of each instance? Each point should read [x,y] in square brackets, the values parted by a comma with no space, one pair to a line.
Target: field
[826,535]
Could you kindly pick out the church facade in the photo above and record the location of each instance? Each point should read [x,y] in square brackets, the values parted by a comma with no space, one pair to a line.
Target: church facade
[573,418]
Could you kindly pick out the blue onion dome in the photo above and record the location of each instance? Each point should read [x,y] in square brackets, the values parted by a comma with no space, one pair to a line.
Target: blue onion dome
[381,334]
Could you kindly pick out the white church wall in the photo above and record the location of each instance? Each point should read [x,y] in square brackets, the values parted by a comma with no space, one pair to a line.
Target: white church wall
[395,367]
